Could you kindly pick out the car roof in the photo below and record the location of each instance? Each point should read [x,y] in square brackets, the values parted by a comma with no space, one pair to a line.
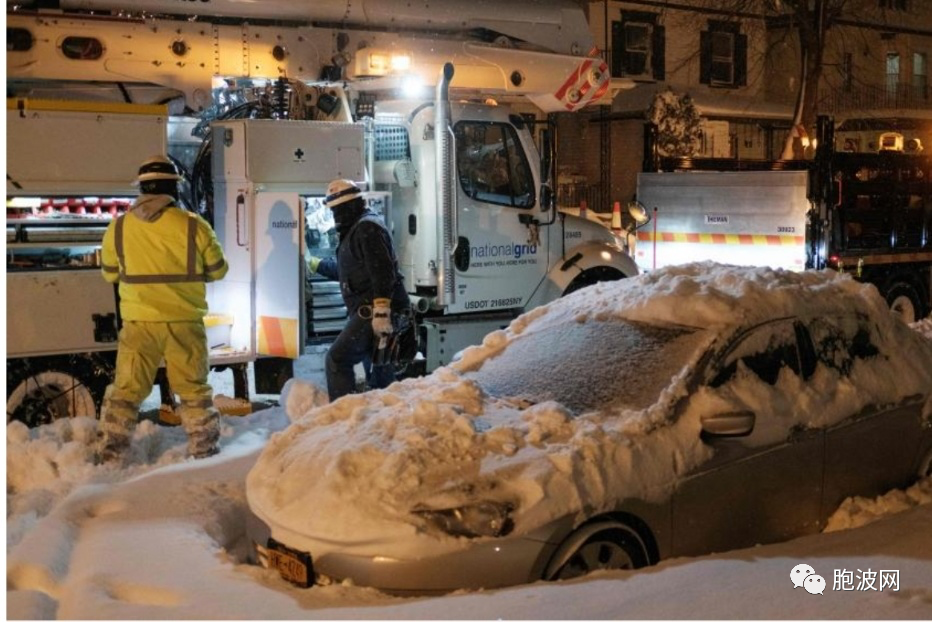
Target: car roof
[701,295]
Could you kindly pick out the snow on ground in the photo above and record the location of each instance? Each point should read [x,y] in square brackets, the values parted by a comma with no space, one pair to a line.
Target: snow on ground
[164,539]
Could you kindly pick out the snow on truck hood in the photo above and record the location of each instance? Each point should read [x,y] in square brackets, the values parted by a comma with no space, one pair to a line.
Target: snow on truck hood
[351,474]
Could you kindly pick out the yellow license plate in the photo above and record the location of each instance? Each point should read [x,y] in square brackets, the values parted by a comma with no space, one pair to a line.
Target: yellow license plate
[293,566]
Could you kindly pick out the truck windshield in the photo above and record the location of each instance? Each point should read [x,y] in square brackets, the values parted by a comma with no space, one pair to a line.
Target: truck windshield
[593,364]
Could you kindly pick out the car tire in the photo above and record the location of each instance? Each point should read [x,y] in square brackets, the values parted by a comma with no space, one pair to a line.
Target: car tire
[905,302]
[610,546]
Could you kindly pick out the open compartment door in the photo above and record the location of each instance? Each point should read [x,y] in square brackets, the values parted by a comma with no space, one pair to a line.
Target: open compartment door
[279,225]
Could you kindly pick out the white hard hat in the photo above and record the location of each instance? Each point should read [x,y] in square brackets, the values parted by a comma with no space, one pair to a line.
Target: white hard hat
[340,191]
[155,168]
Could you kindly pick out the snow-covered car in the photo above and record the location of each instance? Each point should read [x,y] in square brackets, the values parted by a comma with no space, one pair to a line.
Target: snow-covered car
[694,409]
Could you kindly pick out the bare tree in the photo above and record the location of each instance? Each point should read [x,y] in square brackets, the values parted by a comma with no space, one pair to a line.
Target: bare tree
[811,21]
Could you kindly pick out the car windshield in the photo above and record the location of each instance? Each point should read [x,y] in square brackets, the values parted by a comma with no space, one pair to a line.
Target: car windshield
[591,365]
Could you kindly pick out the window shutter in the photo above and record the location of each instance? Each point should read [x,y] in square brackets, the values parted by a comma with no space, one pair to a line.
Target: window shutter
[741,60]
[705,57]
[618,50]
[658,56]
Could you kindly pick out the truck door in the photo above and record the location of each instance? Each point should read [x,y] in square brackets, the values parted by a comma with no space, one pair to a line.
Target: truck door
[279,223]
[495,186]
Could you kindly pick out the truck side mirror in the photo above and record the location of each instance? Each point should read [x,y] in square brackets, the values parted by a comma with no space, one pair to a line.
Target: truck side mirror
[546,155]
[639,213]
[546,197]
[546,164]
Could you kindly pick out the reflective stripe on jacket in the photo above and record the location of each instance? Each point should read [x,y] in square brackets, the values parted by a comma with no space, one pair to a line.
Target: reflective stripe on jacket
[162,265]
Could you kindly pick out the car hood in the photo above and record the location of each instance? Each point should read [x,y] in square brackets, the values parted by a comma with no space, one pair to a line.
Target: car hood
[354,472]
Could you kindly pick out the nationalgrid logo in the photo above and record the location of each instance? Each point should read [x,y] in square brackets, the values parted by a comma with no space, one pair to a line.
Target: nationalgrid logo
[844,580]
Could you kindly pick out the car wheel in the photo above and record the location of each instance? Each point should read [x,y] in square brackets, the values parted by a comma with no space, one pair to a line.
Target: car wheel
[904,301]
[612,547]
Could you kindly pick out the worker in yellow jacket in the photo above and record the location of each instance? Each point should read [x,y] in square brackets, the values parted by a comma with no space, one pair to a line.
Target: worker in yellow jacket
[161,256]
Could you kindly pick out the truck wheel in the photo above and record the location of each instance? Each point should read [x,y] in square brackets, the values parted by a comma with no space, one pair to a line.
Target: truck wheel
[905,302]
[53,389]
[592,276]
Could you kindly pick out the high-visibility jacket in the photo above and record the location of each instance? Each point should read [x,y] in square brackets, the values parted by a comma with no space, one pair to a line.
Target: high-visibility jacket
[161,256]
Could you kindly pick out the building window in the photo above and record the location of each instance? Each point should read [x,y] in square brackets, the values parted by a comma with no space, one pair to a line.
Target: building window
[723,55]
[894,5]
[921,75]
[638,46]
[893,73]
[723,58]
[637,49]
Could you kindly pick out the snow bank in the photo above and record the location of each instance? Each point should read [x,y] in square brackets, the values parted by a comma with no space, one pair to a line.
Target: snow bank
[45,464]
[860,511]
[924,327]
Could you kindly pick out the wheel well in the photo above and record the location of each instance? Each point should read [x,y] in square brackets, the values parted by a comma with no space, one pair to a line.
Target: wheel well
[902,278]
[925,465]
[591,276]
[612,520]
[643,530]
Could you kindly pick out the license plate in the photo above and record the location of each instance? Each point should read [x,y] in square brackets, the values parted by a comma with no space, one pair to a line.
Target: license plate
[293,566]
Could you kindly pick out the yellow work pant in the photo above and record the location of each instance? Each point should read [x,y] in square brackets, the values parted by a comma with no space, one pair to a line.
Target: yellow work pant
[142,346]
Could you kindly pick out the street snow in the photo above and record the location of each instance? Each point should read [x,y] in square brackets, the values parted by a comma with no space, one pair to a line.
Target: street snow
[165,537]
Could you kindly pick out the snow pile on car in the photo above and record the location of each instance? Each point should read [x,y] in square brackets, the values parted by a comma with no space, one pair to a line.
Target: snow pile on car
[860,511]
[354,474]
[702,294]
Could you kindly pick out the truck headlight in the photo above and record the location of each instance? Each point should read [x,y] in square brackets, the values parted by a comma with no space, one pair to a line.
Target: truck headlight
[483,519]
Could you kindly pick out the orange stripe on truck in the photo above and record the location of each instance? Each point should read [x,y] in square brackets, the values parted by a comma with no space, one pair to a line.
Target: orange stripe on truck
[744,239]
[278,336]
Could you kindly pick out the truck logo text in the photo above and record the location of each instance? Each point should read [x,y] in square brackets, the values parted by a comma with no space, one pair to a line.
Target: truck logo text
[503,250]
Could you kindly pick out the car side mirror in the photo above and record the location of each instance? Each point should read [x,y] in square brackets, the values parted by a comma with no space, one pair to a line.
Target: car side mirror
[728,425]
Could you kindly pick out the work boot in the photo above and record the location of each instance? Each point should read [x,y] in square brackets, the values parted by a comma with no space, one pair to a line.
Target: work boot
[203,428]
[168,415]
[114,433]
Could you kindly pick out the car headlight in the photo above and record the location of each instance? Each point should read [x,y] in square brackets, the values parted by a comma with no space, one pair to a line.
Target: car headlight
[483,519]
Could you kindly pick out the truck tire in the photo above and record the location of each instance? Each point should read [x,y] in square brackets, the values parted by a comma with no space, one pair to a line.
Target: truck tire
[41,390]
[905,302]
[592,276]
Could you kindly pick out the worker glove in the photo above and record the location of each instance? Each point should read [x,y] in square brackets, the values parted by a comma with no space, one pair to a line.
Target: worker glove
[381,317]
[311,261]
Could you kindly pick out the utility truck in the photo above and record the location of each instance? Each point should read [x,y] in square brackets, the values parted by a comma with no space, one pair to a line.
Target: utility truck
[869,214]
[434,109]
